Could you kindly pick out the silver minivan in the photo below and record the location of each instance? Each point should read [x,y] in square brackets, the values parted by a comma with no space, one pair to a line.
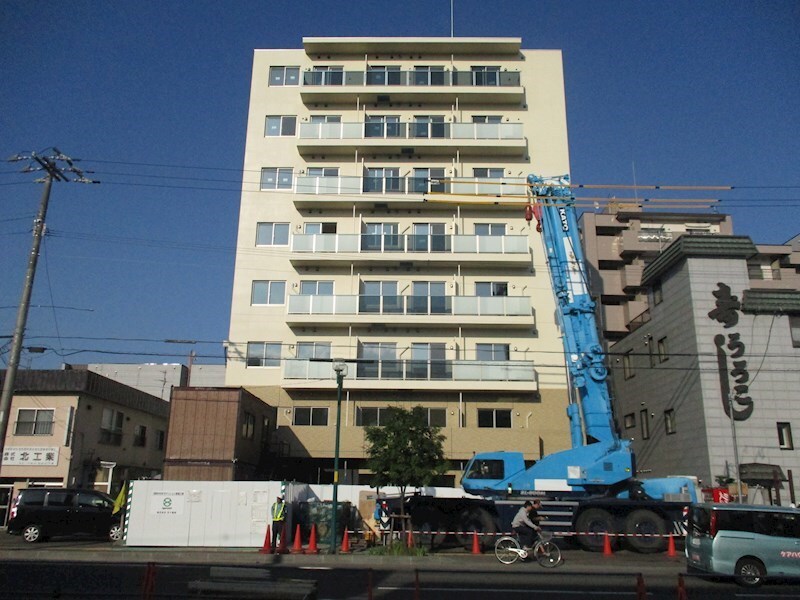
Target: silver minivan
[749,543]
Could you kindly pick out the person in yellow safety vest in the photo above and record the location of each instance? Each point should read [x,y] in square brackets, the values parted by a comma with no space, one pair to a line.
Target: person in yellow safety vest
[278,521]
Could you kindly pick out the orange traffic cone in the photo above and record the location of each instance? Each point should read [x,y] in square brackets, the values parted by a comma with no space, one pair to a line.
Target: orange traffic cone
[312,541]
[671,546]
[607,546]
[267,548]
[345,543]
[476,545]
[641,591]
[282,543]
[297,548]
[409,540]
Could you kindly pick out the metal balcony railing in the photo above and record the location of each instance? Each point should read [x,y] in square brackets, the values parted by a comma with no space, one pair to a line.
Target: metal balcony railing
[410,243]
[355,185]
[504,306]
[414,370]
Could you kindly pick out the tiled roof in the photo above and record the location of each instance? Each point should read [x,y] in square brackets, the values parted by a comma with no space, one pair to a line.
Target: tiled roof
[771,301]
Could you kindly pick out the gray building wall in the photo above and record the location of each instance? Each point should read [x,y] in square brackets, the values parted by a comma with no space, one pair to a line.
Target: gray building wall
[154,379]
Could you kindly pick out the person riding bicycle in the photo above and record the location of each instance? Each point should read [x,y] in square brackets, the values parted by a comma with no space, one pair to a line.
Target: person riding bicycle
[526,523]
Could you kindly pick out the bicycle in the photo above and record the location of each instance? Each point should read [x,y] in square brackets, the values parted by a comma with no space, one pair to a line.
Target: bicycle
[508,550]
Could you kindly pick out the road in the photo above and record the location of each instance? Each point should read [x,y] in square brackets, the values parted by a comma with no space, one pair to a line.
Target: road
[91,569]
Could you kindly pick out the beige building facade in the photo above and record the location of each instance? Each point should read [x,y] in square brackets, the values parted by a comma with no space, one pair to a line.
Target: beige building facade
[370,231]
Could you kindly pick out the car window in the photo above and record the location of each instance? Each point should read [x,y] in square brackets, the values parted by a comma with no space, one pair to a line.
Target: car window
[735,520]
[86,499]
[700,520]
[32,497]
[59,498]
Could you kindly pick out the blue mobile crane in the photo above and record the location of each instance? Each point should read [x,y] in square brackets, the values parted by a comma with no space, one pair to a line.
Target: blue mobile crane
[596,477]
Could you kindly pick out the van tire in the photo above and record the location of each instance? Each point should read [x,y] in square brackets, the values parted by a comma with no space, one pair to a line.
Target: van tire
[647,523]
[750,572]
[32,533]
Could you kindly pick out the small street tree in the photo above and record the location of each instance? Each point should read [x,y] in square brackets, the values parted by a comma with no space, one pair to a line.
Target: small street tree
[405,451]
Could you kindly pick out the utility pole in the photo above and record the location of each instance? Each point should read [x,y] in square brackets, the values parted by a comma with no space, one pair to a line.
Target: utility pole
[49,162]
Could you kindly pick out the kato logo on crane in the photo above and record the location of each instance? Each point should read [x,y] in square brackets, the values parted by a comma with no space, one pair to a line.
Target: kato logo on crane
[564,223]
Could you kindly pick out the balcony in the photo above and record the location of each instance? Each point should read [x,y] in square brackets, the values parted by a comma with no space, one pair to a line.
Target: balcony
[310,191]
[435,374]
[638,242]
[444,250]
[423,138]
[387,87]
[478,311]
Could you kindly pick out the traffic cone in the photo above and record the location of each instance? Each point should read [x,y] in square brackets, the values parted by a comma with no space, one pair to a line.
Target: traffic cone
[297,548]
[409,540]
[607,545]
[267,548]
[312,541]
[681,588]
[476,545]
[641,591]
[282,543]
[671,546]
[345,543]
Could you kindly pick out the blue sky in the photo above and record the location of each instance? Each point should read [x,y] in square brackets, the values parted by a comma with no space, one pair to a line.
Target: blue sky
[153,96]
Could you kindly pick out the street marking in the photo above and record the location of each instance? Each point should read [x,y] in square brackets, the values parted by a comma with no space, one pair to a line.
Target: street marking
[315,568]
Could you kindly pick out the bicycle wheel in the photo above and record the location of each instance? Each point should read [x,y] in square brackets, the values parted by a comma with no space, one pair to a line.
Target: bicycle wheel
[547,554]
[506,550]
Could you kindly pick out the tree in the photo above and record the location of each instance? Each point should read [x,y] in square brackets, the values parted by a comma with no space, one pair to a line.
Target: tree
[405,451]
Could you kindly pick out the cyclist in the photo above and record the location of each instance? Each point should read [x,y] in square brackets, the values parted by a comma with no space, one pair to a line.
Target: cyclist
[526,523]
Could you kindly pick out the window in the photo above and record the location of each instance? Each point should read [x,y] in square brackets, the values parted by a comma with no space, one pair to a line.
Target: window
[489,119]
[268,292]
[382,126]
[371,416]
[326,118]
[382,179]
[380,297]
[429,126]
[312,416]
[491,288]
[284,76]
[428,362]
[493,173]
[794,327]
[280,125]
[662,350]
[437,417]
[630,421]
[645,424]
[324,75]
[316,288]
[486,75]
[785,441]
[492,352]
[318,228]
[658,293]
[160,439]
[491,229]
[34,421]
[322,171]
[669,421]
[263,354]
[383,75]
[111,427]
[430,237]
[91,500]
[427,180]
[497,418]
[140,436]
[424,75]
[313,350]
[381,236]
[248,426]
[276,178]
[627,364]
[379,361]
[272,234]
[428,297]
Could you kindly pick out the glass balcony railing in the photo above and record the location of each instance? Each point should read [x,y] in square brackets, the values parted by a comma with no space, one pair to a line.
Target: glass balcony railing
[414,370]
[399,243]
[503,306]
[410,131]
[415,78]
[354,185]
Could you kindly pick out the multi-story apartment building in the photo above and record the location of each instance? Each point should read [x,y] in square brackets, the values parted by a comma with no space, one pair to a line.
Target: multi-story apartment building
[371,231]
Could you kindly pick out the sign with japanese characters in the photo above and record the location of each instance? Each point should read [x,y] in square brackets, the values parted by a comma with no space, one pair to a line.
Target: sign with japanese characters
[30,456]
[731,361]
[167,503]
